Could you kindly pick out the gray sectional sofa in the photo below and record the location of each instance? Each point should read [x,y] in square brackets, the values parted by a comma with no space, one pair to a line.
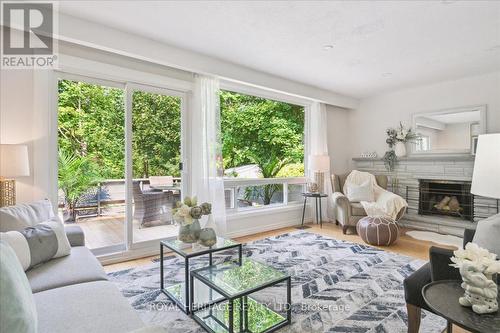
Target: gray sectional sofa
[72,293]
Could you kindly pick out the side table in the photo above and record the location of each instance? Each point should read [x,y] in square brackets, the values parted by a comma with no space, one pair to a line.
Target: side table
[317,197]
[442,297]
[179,293]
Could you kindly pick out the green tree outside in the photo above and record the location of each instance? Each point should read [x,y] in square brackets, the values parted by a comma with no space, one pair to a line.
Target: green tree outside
[254,131]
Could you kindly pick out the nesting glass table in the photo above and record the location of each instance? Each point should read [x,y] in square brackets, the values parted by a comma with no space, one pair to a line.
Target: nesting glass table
[179,293]
[221,300]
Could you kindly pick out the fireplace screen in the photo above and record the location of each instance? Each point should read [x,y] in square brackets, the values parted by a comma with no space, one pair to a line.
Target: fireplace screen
[451,198]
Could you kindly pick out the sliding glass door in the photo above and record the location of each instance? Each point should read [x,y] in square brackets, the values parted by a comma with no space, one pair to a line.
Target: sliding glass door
[91,159]
[156,161]
[120,161]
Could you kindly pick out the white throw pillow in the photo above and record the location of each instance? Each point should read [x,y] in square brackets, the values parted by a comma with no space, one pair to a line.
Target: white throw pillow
[358,193]
[21,216]
[18,311]
[38,244]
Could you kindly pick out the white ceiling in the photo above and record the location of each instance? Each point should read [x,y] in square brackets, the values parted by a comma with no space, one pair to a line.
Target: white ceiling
[377,46]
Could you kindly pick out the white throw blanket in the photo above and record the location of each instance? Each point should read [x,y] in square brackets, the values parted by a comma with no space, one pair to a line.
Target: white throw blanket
[386,203]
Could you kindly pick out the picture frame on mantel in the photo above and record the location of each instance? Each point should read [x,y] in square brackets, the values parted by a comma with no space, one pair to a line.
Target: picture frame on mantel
[449,132]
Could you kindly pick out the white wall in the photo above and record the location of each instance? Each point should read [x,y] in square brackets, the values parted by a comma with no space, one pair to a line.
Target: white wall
[338,139]
[454,136]
[16,127]
[367,123]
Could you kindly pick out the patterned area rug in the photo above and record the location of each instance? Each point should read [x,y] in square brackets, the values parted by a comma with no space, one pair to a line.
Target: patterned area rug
[337,286]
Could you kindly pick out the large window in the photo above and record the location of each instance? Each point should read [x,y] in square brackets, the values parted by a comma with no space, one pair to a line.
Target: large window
[263,150]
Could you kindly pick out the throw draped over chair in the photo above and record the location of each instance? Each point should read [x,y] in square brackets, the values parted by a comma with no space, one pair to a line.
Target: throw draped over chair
[150,206]
[349,213]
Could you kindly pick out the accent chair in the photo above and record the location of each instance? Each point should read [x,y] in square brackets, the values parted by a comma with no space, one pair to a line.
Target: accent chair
[349,213]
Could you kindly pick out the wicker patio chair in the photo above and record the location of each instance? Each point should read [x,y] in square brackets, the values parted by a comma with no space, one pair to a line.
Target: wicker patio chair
[150,206]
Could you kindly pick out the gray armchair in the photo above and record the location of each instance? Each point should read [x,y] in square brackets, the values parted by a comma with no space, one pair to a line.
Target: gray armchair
[349,213]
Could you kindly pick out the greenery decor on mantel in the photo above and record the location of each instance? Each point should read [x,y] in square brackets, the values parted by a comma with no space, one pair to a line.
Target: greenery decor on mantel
[390,160]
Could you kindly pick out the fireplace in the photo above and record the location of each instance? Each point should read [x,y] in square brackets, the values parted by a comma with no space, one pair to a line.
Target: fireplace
[446,197]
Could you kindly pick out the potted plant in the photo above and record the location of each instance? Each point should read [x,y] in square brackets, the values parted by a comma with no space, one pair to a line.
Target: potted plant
[398,137]
[77,175]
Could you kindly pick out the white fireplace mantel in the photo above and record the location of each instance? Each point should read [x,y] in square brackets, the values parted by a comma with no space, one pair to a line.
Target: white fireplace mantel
[403,180]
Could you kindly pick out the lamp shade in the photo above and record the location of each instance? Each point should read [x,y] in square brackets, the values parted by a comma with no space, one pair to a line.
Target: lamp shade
[319,162]
[14,161]
[485,179]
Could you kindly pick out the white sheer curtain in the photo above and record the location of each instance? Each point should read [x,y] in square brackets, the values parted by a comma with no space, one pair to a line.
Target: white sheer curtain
[206,149]
[318,145]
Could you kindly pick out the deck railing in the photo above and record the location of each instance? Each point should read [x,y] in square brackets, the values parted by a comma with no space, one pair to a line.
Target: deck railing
[241,194]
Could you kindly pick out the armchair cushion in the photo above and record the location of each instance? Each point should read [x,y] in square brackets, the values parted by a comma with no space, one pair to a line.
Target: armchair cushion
[357,209]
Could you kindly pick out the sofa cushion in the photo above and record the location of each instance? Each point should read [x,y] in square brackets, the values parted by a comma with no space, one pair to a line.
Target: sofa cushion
[17,306]
[357,209]
[80,266]
[21,216]
[87,307]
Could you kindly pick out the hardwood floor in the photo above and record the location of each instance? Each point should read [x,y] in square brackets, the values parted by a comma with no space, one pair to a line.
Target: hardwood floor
[405,245]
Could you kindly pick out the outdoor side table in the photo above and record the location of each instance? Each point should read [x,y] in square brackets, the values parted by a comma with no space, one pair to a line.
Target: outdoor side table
[233,309]
[179,293]
[317,197]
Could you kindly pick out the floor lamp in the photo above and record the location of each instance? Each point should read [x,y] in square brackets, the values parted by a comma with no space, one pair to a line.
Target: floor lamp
[14,162]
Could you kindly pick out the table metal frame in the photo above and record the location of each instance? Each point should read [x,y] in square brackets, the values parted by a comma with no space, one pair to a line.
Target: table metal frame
[185,307]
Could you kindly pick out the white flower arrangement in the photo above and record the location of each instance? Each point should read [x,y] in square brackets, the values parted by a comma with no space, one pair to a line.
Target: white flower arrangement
[187,211]
[477,267]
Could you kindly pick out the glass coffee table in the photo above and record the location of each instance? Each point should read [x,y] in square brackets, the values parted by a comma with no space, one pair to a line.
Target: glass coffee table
[179,293]
[225,288]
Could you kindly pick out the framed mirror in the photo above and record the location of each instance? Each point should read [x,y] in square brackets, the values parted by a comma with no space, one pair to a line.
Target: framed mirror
[449,131]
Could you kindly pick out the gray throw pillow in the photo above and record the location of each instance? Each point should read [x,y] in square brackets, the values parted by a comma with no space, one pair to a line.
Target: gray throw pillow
[38,244]
[488,234]
[18,311]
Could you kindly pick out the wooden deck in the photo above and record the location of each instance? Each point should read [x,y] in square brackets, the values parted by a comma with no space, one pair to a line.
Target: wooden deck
[110,230]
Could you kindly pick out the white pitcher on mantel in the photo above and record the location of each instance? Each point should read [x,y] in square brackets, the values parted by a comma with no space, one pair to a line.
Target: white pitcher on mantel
[400,149]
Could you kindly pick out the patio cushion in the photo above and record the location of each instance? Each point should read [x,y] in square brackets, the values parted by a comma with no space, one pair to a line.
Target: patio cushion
[87,307]
[80,266]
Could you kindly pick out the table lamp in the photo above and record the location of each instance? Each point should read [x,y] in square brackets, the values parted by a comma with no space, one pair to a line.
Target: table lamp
[319,164]
[14,162]
[485,179]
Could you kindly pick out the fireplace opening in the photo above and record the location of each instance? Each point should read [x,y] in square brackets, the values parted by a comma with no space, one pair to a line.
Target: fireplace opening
[446,197]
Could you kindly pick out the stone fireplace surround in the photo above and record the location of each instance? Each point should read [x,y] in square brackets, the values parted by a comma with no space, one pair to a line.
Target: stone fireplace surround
[404,180]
